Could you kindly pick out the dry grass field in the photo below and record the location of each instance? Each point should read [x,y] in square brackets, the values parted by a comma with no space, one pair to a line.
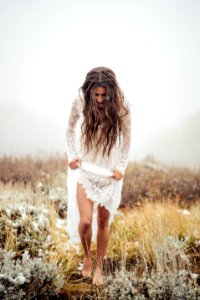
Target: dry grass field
[153,252]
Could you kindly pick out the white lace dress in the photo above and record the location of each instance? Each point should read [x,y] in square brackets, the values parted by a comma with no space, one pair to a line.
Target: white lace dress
[101,190]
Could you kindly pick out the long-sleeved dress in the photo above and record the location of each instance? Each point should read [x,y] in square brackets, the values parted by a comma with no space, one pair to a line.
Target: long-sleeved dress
[101,190]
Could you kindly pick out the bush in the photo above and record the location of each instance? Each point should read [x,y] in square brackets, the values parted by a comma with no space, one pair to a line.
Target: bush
[167,278]
[24,227]
[28,278]
[153,183]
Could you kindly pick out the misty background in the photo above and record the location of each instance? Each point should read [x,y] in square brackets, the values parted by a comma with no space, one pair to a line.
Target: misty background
[47,47]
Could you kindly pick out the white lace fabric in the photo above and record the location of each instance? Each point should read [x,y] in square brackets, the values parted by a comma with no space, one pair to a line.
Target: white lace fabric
[102,190]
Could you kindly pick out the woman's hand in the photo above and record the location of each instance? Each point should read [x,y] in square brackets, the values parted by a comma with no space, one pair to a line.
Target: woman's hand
[117,175]
[74,164]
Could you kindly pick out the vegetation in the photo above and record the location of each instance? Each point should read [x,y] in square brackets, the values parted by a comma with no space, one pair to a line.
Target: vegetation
[153,252]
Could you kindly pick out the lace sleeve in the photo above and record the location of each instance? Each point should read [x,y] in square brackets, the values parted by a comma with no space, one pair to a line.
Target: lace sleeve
[70,133]
[126,142]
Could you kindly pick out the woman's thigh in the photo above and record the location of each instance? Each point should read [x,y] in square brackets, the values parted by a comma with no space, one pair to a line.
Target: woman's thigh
[85,205]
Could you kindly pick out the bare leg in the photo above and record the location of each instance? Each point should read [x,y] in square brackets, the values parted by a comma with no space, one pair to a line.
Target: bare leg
[102,243]
[85,228]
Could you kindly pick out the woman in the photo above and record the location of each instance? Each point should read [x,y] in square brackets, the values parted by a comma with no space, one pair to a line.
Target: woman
[103,139]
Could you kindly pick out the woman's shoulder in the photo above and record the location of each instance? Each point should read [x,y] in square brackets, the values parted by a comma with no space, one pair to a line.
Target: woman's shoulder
[126,108]
[78,102]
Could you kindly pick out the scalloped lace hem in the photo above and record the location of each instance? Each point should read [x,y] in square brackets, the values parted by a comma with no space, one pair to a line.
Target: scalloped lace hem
[97,195]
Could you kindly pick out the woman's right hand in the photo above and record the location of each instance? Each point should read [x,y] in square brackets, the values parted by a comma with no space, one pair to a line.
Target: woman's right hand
[74,164]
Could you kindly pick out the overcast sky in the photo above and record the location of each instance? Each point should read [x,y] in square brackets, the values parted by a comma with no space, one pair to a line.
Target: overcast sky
[47,47]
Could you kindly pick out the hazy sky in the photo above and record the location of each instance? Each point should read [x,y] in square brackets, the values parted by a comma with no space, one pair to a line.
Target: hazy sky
[47,47]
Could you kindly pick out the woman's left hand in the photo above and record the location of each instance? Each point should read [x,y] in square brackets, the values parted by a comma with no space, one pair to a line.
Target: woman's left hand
[117,175]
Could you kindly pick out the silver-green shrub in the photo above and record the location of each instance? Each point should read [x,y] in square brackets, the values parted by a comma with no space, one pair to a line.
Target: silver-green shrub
[27,278]
[168,278]
[124,285]
[29,226]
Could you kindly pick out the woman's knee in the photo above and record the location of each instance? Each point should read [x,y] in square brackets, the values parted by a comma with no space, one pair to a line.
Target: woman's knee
[103,223]
[103,217]
[85,224]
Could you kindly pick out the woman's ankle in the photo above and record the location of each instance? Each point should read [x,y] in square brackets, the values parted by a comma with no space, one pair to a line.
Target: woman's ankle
[99,265]
[87,259]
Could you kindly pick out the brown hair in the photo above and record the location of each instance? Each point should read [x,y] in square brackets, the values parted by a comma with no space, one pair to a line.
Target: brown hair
[114,110]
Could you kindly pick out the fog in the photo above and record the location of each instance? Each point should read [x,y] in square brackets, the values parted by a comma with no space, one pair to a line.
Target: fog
[47,47]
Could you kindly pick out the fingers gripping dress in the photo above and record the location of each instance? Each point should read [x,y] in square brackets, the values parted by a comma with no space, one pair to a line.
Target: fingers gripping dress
[101,190]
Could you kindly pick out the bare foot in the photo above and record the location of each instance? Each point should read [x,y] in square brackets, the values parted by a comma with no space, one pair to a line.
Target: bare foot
[98,277]
[87,267]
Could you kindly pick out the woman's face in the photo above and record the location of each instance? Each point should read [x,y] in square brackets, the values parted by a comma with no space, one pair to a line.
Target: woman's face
[100,96]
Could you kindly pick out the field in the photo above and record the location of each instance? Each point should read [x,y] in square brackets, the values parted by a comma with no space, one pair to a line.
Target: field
[153,252]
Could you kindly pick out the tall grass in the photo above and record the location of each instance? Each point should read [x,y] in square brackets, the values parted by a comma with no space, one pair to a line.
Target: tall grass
[154,247]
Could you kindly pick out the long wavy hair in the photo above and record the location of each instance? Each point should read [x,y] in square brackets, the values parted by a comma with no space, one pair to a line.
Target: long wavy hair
[115,110]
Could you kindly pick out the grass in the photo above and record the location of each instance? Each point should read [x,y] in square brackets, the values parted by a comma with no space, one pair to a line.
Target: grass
[151,238]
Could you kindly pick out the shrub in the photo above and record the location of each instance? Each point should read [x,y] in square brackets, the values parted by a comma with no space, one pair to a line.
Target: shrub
[168,278]
[154,183]
[28,278]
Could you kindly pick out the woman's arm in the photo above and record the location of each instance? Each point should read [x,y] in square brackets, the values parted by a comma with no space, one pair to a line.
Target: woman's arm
[70,132]
[126,142]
